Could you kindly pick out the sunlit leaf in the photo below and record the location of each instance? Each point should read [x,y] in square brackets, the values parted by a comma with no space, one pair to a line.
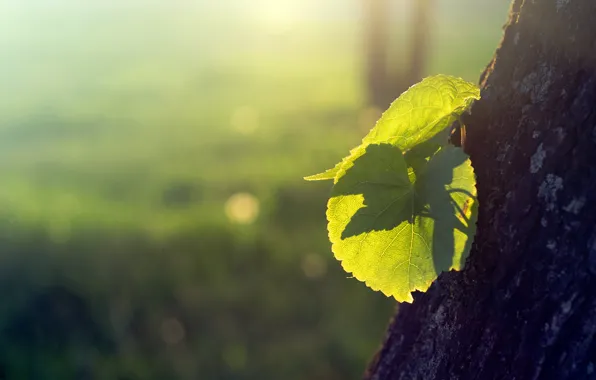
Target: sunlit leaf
[395,235]
[403,205]
[327,174]
[424,110]
[419,114]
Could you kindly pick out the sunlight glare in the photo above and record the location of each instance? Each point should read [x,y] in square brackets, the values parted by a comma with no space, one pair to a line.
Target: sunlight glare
[279,16]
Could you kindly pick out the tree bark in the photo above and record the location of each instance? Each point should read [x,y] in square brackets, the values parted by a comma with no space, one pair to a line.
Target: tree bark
[525,305]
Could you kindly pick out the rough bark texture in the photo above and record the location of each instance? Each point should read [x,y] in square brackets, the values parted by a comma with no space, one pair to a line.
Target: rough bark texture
[525,306]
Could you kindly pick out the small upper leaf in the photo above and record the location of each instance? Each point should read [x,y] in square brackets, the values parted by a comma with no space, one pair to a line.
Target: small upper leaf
[420,113]
[424,110]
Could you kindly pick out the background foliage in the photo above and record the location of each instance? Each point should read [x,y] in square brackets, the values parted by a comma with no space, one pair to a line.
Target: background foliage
[154,223]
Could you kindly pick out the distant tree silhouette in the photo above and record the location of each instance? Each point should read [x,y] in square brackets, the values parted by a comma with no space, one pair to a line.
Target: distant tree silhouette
[384,84]
[376,30]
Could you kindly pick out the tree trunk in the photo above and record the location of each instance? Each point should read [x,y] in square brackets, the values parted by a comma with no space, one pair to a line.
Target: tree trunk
[376,31]
[421,26]
[382,82]
[525,305]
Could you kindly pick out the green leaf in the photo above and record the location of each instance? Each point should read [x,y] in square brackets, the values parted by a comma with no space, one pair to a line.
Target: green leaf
[332,173]
[423,111]
[327,174]
[342,166]
[397,235]
[403,206]
[420,113]
[417,158]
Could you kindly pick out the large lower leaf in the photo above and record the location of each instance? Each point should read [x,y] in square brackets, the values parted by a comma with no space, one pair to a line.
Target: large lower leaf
[397,235]
[420,113]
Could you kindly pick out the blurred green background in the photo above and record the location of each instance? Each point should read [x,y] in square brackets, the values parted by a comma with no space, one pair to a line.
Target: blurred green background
[154,223]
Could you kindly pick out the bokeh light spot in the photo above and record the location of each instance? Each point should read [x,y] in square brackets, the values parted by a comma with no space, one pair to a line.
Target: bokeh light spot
[245,120]
[172,331]
[242,208]
[314,266]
